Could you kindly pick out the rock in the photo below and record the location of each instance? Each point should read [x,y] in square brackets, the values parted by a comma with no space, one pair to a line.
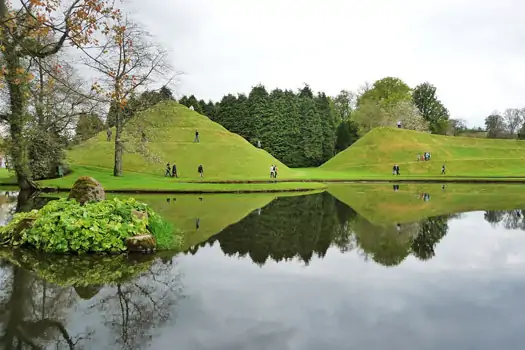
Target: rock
[87,292]
[139,214]
[142,243]
[87,189]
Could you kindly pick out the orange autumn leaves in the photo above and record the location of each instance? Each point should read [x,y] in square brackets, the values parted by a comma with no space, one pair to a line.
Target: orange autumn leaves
[75,22]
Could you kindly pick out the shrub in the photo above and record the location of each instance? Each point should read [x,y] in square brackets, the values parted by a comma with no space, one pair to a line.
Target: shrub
[65,226]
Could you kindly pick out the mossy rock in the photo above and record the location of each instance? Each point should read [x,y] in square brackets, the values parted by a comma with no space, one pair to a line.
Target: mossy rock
[143,243]
[87,189]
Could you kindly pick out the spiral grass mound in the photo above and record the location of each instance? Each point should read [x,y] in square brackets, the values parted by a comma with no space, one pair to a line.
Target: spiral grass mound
[108,226]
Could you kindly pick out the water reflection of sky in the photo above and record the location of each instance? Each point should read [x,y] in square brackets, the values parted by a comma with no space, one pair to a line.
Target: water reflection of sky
[469,296]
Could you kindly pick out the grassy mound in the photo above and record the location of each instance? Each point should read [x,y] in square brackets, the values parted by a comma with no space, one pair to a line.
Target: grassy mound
[170,135]
[377,151]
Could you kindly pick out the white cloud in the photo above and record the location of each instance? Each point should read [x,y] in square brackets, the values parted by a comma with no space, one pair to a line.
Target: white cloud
[471,50]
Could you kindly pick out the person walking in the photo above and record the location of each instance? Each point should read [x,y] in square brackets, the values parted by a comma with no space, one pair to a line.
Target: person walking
[200,169]
[443,170]
[174,171]
[168,170]
[196,136]
[397,170]
[275,171]
[394,169]
[272,172]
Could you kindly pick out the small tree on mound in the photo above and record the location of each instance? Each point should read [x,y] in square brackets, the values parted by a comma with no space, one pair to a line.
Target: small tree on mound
[128,62]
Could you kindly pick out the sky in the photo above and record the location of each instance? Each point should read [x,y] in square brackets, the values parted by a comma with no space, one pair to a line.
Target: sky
[473,51]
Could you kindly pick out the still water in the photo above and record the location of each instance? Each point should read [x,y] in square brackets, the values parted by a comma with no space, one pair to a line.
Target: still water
[292,272]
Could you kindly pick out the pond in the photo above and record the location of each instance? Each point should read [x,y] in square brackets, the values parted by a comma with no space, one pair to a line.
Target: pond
[359,266]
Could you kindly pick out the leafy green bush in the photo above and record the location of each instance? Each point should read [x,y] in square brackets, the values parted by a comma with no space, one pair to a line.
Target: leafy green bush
[64,226]
[164,232]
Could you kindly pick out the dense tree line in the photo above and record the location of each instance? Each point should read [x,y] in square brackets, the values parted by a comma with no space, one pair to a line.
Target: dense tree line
[298,128]
[304,129]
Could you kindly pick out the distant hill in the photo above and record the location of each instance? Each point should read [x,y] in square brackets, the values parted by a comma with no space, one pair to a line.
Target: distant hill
[381,148]
[223,154]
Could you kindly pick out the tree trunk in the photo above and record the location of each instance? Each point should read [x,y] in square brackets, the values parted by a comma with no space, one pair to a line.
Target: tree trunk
[18,144]
[117,169]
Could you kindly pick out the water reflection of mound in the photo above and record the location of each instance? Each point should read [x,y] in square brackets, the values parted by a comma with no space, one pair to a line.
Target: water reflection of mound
[304,227]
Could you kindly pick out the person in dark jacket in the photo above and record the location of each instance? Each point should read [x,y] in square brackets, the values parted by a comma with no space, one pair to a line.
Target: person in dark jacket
[201,170]
[174,171]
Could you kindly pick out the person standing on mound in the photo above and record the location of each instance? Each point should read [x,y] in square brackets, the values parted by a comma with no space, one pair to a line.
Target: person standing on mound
[272,171]
[443,170]
[174,171]
[196,136]
[201,171]
[168,169]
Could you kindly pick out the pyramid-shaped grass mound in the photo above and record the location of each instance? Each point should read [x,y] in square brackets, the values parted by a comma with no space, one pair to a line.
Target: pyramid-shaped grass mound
[170,131]
[381,148]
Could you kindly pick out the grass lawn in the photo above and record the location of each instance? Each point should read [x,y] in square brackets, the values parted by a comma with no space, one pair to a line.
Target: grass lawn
[381,205]
[136,182]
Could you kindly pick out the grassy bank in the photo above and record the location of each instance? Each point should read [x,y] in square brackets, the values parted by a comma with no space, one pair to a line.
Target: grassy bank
[137,182]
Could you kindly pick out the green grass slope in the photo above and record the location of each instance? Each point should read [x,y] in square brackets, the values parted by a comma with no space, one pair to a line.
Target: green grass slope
[223,154]
[377,151]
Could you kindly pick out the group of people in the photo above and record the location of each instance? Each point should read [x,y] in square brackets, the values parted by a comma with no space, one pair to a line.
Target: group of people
[171,171]
[425,156]
[273,172]
[395,170]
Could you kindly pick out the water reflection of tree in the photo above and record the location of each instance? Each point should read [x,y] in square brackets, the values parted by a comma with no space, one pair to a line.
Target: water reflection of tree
[511,219]
[132,310]
[290,227]
[32,312]
[303,227]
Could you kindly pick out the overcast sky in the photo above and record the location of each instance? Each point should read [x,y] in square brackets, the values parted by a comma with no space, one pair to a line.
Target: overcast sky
[472,50]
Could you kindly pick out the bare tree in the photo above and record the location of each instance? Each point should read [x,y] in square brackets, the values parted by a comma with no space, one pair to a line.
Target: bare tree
[22,34]
[128,63]
[513,120]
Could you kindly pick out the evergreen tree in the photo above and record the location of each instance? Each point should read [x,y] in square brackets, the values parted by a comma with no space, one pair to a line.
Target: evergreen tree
[192,101]
[184,101]
[346,135]
[209,109]
[88,125]
[226,113]
[311,129]
[329,125]
[166,93]
[258,109]
[294,153]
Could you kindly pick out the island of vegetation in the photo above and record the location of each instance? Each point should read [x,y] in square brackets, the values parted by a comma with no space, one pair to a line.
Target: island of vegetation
[86,222]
